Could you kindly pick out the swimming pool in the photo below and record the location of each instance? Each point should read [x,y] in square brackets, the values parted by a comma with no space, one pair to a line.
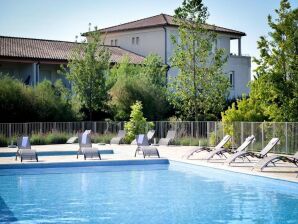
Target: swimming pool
[175,193]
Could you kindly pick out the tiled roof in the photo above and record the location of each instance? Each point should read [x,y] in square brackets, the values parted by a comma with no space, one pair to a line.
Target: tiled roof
[158,21]
[38,49]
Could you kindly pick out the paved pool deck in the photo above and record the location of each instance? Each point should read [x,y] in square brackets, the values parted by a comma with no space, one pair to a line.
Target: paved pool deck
[283,171]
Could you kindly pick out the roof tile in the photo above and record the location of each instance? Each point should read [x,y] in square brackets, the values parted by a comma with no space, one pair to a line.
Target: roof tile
[38,49]
[158,21]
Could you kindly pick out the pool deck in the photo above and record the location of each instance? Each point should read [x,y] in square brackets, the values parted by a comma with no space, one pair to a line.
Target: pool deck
[282,171]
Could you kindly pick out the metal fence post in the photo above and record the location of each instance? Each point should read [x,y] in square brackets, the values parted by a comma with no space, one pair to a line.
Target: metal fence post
[208,135]
[286,133]
[262,135]
[94,126]
[241,125]
[9,130]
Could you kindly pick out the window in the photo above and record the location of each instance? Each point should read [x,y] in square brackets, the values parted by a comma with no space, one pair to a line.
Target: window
[116,42]
[133,40]
[137,40]
[112,42]
[214,46]
[232,79]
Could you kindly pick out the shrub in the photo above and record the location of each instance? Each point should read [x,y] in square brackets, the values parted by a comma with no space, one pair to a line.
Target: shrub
[49,138]
[3,141]
[96,138]
[130,83]
[56,138]
[137,124]
[190,141]
[38,139]
[45,102]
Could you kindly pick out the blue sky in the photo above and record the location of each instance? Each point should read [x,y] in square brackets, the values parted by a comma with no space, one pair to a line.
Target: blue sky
[64,19]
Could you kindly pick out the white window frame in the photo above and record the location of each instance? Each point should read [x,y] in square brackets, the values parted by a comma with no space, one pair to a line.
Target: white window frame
[232,79]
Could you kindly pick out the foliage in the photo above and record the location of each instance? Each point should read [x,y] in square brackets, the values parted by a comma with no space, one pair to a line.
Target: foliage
[189,141]
[274,93]
[137,124]
[86,69]
[277,67]
[3,141]
[52,103]
[38,139]
[130,83]
[154,70]
[247,109]
[45,102]
[49,138]
[106,138]
[200,89]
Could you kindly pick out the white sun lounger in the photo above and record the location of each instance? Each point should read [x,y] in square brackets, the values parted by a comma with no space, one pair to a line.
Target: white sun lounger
[209,149]
[276,158]
[143,146]
[168,139]
[72,140]
[221,152]
[244,154]
[85,146]
[24,150]
[119,139]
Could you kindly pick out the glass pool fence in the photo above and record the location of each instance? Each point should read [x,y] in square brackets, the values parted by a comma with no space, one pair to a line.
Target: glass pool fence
[188,133]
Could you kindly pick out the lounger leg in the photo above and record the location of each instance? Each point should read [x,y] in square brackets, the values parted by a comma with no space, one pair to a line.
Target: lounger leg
[99,156]
[136,152]
[84,156]
[157,153]
[36,158]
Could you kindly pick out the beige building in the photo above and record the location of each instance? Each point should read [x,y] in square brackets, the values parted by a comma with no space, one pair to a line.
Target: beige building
[153,35]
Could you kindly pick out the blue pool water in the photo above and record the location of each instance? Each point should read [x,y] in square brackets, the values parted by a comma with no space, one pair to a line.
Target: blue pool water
[175,193]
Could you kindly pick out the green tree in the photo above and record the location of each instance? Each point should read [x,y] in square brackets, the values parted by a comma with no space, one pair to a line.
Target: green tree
[87,70]
[274,92]
[155,70]
[277,67]
[145,83]
[200,89]
[137,123]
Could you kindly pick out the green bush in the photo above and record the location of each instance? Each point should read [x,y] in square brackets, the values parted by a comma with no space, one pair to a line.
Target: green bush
[3,141]
[45,102]
[56,138]
[38,139]
[129,83]
[189,141]
[50,138]
[96,138]
[137,124]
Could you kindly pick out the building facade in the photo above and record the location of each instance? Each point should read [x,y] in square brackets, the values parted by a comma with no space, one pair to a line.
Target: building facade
[34,60]
[153,35]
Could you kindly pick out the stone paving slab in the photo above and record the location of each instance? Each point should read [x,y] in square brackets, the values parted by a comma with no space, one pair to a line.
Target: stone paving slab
[283,171]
